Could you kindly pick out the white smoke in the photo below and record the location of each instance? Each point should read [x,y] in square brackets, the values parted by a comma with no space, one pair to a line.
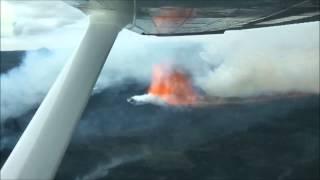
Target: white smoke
[238,63]
[25,86]
[146,99]
[263,61]
[55,27]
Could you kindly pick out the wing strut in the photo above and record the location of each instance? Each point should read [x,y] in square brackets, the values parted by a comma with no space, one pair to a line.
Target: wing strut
[41,147]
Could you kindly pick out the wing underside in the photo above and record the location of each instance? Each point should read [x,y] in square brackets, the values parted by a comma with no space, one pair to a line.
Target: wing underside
[187,17]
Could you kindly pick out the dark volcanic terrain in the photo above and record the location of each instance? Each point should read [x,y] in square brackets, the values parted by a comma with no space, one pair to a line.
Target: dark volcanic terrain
[250,140]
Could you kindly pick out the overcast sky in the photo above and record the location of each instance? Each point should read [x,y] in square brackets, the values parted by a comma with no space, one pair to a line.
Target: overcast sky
[39,22]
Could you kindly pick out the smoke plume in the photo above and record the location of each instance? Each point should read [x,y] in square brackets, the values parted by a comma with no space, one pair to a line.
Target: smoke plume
[263,61]
[50,39]
[235,64]
[25,86]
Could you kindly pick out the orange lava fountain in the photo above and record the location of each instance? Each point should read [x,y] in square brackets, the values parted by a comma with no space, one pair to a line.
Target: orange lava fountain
[172,85]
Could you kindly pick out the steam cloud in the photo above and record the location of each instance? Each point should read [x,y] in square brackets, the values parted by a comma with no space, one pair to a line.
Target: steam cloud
[237,63]
[271,60]
[32,25]
[25,86]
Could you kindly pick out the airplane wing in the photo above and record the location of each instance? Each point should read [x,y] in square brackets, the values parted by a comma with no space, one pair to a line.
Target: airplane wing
[164,18]
[188,17]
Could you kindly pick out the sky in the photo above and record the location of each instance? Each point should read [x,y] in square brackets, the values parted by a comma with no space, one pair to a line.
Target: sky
[246,63]
[39,22]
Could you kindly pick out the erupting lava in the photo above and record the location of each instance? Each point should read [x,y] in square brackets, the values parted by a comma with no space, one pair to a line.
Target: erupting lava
[172,85]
